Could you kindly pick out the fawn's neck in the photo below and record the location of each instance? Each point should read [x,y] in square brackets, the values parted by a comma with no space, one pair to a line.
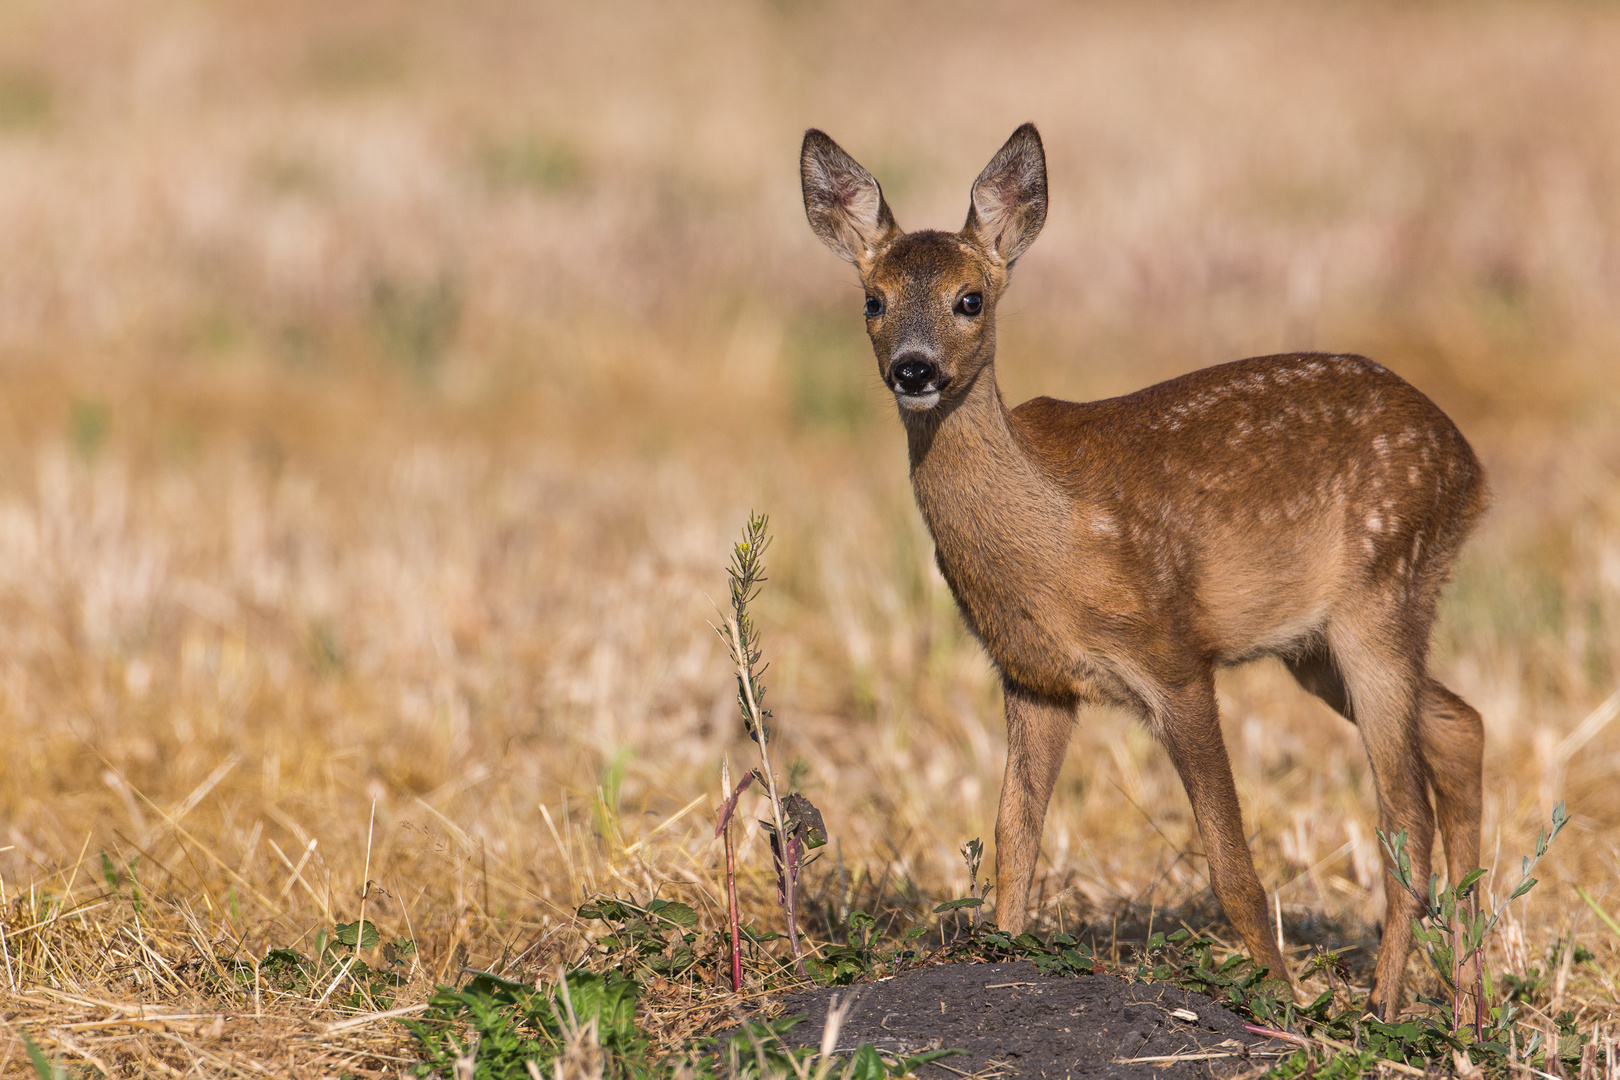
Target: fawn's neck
[988,505]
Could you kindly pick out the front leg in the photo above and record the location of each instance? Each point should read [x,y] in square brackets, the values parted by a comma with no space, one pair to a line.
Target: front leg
[1038,731]
[1190,729]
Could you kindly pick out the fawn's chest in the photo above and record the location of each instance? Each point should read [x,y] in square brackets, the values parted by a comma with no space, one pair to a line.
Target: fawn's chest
[1014,575]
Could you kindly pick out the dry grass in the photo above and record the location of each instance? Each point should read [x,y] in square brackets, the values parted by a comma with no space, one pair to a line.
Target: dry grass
[384,384]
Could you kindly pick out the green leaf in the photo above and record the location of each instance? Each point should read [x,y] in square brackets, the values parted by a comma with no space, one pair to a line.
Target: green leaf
[907,1066]
[1076,960]
[964,902]
[1524,886]
[348,933]
[36,1057]
[866,1064]
[488,984]
[1469,880]
[678,914]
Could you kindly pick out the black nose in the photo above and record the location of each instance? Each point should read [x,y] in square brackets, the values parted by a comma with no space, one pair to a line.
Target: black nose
[913,373]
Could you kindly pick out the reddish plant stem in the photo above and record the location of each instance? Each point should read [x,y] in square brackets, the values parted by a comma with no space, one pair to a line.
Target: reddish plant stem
[731,902]
[1456,976]
[791,901]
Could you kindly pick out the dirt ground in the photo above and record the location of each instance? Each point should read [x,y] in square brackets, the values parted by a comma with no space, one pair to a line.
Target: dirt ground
[1011,1020]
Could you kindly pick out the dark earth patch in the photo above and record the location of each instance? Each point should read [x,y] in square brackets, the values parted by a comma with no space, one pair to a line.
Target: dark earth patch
[1012,1020]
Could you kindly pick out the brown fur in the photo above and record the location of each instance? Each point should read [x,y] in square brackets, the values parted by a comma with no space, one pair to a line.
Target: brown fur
[1305,506]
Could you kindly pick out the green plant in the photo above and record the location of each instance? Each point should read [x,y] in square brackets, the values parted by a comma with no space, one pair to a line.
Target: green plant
[356,935]
[116,878]
[44,1067]
[1452,931]
[757,1052]
[533,162]
[497,1029]
[89,424]
[335,967]
[859,954]
[504,1026]
[795,824]
[973,855]
[657,938]
[416,322]
[27,100]
[1452,934]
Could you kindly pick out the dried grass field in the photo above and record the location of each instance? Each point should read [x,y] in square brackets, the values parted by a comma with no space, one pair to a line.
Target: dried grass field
[384,385]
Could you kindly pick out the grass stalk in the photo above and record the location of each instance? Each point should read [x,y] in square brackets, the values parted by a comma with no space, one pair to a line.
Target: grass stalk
[745,682]
[746,574]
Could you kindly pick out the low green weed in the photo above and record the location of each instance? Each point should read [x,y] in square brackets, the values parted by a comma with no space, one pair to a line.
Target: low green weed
[362,986]
[497,1029]
[503,1026]
[1452,931]
[861,952]
[116,879]
[657,938]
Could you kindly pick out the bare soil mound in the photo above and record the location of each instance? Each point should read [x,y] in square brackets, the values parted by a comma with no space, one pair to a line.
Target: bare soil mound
[1011,1020]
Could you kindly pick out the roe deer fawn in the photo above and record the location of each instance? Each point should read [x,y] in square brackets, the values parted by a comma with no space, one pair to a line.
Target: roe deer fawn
[1305,506]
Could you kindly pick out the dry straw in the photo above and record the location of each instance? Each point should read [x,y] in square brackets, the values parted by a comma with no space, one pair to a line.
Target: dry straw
[379,402]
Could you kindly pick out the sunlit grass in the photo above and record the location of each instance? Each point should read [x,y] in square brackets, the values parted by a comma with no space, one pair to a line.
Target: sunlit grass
[381,401]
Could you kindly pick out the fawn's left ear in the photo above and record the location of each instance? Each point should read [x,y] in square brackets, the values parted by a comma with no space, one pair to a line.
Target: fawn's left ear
[1009,198]
[843,202]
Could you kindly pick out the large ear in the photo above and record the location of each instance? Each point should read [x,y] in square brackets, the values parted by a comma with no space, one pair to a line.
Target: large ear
[1009,197]
[844,204]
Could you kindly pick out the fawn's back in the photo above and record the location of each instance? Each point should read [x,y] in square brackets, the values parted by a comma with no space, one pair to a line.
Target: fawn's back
[1243,502]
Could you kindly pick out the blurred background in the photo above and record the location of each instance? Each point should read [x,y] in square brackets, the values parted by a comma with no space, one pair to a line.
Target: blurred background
[385,383]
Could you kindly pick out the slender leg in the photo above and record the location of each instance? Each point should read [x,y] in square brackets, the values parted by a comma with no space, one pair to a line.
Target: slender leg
[1452,738]
[1381,672]
[1038,731]
[1191,732]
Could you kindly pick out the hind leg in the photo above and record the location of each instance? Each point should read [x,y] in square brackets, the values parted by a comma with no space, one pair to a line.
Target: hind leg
[1381,674]
[1453,741]
[1452,738]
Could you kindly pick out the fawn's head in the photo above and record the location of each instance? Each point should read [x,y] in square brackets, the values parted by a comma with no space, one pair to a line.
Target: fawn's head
[930,296]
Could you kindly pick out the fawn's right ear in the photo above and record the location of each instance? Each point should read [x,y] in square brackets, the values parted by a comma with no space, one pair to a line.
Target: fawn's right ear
[843,202]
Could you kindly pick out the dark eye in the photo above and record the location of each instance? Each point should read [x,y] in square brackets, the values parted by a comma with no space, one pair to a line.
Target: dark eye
[970,304]
[874,306]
